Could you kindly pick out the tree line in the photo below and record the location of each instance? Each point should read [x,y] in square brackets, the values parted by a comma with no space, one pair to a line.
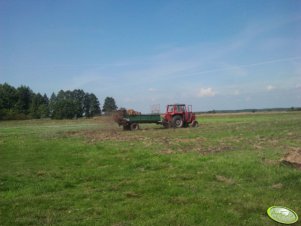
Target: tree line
[23,103]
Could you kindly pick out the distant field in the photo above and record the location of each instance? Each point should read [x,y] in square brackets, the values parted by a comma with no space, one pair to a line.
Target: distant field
[90,172]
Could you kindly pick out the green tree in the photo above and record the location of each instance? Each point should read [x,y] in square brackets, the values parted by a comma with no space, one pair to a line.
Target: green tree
[8,96]
[23,103]
[8,100]
[94,105]
[57,105]
[87,105]
[66,109]
[109,105]
[52,105]
[64,105]
[39,106]
[91,105]
[78,97]
[24,94]
[37,100]
[44,107]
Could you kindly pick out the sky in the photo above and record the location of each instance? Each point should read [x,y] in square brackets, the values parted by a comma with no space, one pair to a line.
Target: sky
[217,55]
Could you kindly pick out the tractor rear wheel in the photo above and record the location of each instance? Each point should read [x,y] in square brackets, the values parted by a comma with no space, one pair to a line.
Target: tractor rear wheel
[177,121]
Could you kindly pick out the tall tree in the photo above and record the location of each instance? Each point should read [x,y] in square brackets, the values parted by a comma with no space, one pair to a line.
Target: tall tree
[65,105]
[109,105]
[37,100]
[94,105]
[8,96]
[52,105]
[24,99]
[44,107]
[39,106]
[8,100]
[78,96]
[91,105]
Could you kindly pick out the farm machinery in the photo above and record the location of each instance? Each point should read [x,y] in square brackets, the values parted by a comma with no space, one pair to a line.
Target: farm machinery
[176,116]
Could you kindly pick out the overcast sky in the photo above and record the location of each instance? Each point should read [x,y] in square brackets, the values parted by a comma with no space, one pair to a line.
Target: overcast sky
[211,54]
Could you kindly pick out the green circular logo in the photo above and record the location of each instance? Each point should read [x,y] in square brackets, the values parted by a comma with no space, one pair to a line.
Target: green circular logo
[282,214]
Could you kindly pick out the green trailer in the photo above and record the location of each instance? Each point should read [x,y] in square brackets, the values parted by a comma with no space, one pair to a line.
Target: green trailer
[131,122]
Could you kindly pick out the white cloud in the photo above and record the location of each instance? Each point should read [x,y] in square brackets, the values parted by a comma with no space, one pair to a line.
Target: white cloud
[270,88]
[206,92]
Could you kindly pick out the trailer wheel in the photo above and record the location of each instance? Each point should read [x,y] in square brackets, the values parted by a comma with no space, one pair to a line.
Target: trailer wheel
[194,123]
[134,126]
[165,124]
[177,121]
[126,127]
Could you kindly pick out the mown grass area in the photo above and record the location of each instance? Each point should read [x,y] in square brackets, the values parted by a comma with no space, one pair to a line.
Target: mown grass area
[90,172]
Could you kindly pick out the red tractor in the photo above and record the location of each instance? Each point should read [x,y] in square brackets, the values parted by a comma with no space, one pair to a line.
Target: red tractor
[179,115]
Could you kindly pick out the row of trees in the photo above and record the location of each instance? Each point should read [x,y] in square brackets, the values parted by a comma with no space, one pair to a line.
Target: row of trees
[23,103]
[73,104]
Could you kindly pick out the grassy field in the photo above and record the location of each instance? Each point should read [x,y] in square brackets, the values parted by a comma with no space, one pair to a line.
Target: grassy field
[90,172]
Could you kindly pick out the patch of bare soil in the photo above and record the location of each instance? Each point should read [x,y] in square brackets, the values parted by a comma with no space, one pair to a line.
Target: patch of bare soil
[131,194]
[119,135]
[270,162]
[213,149]
[167,143]
[277,186]
[107,135]
[224,179]
[293,158]
[167,152]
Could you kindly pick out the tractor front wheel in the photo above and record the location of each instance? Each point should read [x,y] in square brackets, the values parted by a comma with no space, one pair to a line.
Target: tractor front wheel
[177,121]
[194,123]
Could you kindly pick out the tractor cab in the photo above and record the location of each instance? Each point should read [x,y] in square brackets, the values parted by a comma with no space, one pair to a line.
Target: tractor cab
[177,108]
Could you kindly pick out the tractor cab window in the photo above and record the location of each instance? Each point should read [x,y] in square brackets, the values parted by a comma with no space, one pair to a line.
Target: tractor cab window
[170,108]
[181,108]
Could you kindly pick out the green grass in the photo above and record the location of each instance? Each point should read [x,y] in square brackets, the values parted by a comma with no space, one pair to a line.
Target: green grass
[89,172]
